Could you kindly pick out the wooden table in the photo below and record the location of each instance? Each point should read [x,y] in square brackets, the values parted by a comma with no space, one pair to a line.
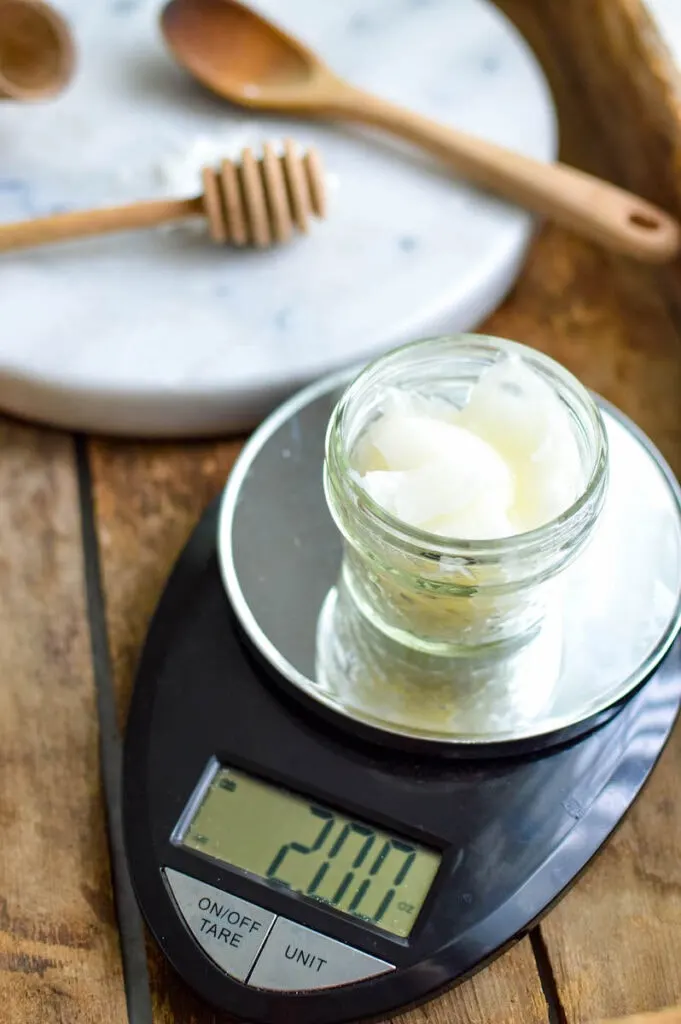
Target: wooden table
[89,530]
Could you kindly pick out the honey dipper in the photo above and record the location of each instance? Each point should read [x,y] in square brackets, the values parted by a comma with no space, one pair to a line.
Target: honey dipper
[255,202]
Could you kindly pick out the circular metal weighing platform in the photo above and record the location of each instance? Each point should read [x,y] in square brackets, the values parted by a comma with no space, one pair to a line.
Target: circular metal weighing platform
[619,611]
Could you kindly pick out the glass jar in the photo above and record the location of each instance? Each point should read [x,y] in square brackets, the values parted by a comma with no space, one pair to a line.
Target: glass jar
[435,594]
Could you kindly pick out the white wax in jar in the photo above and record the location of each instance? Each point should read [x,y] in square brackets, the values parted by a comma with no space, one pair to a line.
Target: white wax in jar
[506,463]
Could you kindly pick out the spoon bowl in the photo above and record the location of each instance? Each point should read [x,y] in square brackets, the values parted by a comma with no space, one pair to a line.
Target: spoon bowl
[241,56]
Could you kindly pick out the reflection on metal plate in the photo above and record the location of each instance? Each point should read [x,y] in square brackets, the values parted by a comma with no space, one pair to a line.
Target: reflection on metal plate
[280,555]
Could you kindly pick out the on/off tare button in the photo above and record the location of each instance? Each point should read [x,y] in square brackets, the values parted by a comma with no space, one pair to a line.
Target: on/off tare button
[297,959]
[230,931]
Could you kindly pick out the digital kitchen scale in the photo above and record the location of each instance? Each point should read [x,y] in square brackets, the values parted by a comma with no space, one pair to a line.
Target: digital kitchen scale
[319,854]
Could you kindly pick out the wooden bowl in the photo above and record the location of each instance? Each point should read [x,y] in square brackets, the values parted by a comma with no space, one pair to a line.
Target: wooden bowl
[37,53]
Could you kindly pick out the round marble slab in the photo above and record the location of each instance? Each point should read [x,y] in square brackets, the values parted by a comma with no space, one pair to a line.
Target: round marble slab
[160,333]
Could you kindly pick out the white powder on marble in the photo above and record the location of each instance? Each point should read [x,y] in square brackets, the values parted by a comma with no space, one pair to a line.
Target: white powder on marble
[178,172]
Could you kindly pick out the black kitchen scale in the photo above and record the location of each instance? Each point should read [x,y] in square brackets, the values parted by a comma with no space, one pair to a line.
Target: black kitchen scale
[323,852]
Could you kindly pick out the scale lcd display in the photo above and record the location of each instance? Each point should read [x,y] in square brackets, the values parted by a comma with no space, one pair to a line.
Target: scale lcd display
[297,844]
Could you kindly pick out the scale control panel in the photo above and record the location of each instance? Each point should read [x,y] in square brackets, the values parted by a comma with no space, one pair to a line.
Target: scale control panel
[261,949]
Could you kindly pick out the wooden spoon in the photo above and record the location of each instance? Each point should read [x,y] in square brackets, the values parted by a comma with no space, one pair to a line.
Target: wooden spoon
[256,202]
[253,63]
[37,54]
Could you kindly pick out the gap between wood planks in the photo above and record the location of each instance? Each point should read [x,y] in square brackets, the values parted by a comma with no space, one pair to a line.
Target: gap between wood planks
[130,926]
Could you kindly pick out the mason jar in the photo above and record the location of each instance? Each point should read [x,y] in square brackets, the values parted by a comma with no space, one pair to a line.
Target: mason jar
[446,595]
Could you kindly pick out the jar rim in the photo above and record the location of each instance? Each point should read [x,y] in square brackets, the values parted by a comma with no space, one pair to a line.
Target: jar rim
[412,538]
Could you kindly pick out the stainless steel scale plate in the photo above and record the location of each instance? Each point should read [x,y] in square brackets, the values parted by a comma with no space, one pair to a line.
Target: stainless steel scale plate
[620,610]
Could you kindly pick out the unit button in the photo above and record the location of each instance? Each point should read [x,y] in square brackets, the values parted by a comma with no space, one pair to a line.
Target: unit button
[229,930]
[296,959]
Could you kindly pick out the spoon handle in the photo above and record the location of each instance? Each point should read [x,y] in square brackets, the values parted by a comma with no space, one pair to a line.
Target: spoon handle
[596,209]
[80,223]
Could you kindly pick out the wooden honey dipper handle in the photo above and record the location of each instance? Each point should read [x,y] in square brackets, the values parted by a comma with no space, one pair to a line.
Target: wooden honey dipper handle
[81,223]
[254,202]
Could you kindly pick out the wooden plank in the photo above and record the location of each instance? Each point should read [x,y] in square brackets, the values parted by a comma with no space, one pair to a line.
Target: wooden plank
[507,992]
[671,1015]
[59,951]
[613,943]
[147,498]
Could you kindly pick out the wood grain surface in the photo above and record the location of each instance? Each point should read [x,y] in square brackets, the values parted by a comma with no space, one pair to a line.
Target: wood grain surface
[59,951]
[614,943]
[670,1015]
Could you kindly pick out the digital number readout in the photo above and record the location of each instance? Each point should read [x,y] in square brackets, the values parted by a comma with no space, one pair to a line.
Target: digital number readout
[307,848]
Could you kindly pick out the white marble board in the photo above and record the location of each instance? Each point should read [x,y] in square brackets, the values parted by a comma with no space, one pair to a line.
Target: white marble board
[667,14]
[160,333]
